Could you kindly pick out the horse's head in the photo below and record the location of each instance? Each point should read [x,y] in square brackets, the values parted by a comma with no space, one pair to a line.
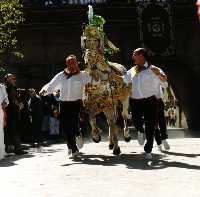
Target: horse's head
[95,61]
[92,39]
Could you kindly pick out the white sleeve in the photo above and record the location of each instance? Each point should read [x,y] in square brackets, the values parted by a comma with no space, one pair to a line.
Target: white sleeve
[127,77]
[54,84]
[5,95]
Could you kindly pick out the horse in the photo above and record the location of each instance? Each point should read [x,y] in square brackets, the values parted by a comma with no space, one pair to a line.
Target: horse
[106,92]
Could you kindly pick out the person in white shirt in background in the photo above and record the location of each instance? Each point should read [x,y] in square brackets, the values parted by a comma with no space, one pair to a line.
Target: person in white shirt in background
[146,80]
[161,128]
[71,83]
[3,103]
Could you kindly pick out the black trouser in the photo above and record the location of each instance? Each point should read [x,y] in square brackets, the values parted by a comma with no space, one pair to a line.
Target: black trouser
[161,128]
[144,114]
[12,136]
[69,119]
[36,128]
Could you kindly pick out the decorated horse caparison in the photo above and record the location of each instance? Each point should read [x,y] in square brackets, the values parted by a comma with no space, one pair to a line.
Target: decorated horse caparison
[106,92]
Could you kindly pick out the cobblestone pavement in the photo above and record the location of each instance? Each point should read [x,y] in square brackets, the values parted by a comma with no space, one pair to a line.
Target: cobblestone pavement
[47,172]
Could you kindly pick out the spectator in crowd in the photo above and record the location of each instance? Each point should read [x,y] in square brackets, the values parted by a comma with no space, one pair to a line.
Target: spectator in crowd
[36,114]
[47,110]
[172,117]
[161,128]
[25,124]
[55,115]
[12,135]
[3,103]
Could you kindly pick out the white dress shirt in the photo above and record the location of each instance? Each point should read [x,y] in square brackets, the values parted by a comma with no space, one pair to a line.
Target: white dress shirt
[71,89]
[145,83]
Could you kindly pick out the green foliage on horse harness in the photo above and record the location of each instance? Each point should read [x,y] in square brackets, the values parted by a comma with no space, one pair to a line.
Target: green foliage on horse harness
[109,48]
[97,21]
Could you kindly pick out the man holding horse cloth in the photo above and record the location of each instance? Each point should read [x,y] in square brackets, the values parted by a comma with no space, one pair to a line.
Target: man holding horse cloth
[146,80]
[71,83]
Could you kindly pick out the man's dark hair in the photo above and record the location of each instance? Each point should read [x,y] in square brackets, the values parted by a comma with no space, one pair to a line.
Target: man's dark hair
[71,56]
[144,52]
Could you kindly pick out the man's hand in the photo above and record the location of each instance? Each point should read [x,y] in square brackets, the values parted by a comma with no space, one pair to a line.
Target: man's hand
[43,93]
[157,72]
[21,105]
[4,105]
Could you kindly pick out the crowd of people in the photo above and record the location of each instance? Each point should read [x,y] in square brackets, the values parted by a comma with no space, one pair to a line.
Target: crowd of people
[26,117]
[55,111]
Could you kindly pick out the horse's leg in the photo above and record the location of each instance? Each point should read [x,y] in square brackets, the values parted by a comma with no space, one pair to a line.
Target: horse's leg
[127,135]
[125,114]
[113,131]
[96,136]
[111,143]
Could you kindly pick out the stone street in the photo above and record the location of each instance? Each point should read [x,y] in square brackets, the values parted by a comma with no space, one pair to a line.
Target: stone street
[47,171]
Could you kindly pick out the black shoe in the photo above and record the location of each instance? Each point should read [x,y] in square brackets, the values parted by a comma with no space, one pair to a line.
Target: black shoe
[20,152]
[9,148]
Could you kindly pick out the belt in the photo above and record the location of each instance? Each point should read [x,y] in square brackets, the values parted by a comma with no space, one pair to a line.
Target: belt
[76,101]
[145,99]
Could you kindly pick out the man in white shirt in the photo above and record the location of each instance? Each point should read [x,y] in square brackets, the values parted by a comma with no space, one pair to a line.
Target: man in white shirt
[146,80]
[161,128]
[71,83]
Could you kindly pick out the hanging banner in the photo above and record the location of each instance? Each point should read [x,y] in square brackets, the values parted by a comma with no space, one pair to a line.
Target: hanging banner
[156,28]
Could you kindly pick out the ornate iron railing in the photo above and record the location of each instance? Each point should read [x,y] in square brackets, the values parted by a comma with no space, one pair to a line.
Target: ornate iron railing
[48,3]
[60,2]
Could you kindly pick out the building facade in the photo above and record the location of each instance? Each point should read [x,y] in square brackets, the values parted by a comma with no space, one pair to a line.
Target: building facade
[169,29]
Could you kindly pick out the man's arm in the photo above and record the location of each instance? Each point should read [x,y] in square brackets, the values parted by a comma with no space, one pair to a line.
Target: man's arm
[158,72]
[117,77]
[54,84]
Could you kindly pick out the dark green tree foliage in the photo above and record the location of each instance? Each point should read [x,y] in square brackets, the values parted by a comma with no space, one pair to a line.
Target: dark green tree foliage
[11,15]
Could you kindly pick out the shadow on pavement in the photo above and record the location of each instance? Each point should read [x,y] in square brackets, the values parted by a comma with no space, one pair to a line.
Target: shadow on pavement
[181,154]
[10,160]
[131,161]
